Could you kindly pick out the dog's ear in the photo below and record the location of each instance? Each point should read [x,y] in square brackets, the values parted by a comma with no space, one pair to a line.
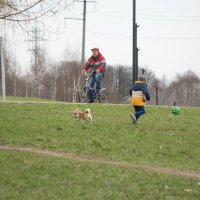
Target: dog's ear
[77,109]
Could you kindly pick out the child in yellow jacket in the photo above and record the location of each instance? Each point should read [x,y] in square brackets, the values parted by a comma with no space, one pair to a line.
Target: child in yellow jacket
[139,92]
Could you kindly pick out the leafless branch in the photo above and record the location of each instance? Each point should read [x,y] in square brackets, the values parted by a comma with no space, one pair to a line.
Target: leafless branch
[26,10]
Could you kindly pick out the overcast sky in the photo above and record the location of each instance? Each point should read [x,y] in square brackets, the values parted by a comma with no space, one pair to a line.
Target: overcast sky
[168,34]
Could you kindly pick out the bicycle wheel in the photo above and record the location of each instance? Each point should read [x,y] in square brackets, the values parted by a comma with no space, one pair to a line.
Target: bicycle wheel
[103,96]
[84,97]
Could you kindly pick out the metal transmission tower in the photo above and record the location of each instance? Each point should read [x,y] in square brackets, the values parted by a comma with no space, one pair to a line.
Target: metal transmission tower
[135,48]
[36,67]
[35,39]
[84,25]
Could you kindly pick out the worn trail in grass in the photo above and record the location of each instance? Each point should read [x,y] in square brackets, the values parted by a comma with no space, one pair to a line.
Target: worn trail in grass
[86,158]
[161,139]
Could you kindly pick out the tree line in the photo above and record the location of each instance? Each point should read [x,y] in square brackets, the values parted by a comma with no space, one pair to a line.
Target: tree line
[63,81]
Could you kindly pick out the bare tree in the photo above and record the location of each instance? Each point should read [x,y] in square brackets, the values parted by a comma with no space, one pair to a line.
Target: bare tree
[185,90]
[38,69]
[109,82]
[26,10]
[49,81]
[71,78]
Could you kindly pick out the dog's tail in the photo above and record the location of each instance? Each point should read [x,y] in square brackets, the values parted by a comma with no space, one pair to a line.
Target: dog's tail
[87,110]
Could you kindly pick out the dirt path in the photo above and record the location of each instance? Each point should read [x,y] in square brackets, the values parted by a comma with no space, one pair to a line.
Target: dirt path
[83,158]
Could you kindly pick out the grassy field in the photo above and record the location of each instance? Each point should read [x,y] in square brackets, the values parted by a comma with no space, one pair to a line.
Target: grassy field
[13,98]
[159,139]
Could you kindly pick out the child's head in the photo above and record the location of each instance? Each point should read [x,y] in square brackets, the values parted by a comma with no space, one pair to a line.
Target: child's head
[142,78]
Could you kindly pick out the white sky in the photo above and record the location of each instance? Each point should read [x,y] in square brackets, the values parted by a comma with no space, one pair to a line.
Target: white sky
[168,35]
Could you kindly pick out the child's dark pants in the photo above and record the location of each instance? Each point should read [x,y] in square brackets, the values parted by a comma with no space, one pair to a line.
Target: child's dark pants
[139,110]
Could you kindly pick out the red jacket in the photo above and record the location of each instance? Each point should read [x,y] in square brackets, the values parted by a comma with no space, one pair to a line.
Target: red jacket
[96,63]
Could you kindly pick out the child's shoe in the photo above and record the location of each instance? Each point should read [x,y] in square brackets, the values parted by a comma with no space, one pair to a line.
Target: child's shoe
[133,118]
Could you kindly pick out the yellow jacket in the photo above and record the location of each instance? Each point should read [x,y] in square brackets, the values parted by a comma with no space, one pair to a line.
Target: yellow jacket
[139,93]
[138,98]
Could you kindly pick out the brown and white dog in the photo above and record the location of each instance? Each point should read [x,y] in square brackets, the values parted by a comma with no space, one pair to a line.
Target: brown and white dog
[83,115]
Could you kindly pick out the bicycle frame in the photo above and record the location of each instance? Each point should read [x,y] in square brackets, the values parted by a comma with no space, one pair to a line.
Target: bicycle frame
[88,77]
[85,89]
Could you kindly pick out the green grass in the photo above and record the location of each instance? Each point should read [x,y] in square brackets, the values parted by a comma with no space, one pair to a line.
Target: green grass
[13,98]
[160,139]
[30,176]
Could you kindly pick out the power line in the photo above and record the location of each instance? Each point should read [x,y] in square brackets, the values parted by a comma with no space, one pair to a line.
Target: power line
[84,24]
[105,34]
[170,38]
[149,17]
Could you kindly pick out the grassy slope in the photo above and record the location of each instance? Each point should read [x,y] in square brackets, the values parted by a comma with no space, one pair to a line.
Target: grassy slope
[161,139]
[29,176]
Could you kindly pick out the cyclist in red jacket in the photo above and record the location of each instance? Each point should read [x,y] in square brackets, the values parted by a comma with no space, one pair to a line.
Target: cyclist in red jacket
[97,63]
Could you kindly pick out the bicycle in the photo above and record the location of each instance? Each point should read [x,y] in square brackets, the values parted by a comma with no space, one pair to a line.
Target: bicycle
[101,97]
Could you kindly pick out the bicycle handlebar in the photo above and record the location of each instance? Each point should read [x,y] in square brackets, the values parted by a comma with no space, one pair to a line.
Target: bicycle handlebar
[88,74]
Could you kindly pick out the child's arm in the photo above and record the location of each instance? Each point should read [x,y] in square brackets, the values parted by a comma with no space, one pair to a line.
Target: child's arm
[130,91]
[146,93]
